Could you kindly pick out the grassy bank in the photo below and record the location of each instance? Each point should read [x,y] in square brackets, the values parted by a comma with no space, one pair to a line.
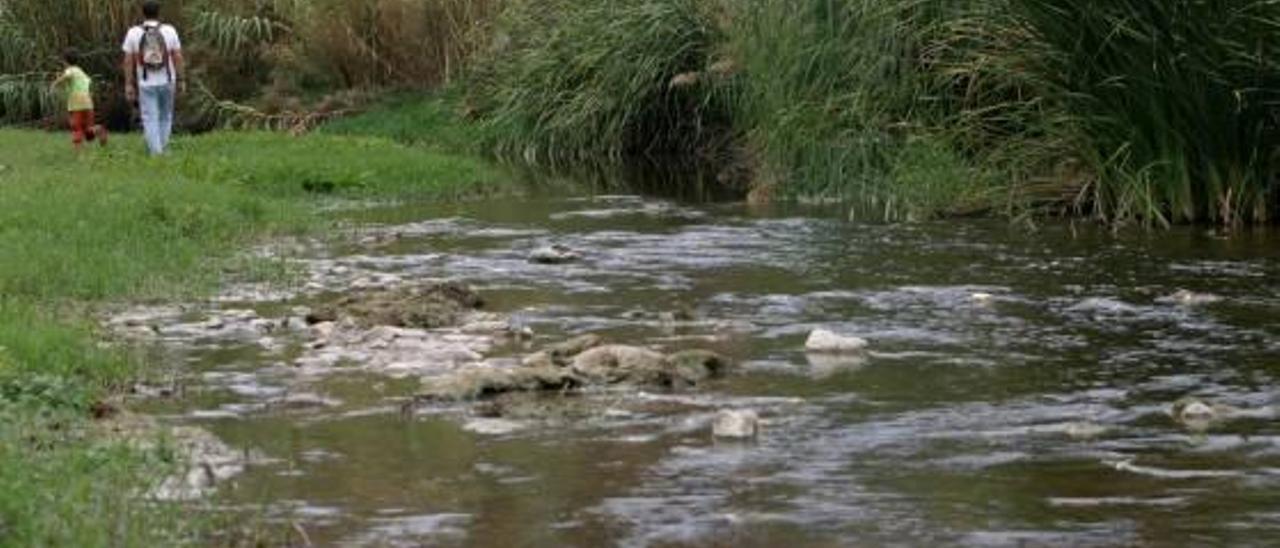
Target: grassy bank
[112,225]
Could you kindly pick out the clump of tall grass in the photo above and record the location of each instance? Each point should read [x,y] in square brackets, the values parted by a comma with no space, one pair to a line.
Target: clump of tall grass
[841,101]
[1132,110]
[1178,101]
[593,81]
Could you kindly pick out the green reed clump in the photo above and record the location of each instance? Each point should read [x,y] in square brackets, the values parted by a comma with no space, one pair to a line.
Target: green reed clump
[1156,112]
[1178,101]
[840,100]
[592,81]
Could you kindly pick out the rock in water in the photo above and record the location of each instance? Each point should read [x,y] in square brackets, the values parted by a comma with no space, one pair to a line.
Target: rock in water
[736,424]
[488,382]
[616,363]
[1195,410]
[1085,430]
[429,306]
[492,427]
[1197,414]
[690,367]
[561,353]
[822,340]
[1191,298]
[553,254]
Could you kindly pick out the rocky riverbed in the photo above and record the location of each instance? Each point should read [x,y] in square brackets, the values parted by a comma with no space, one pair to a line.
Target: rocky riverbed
[684,375]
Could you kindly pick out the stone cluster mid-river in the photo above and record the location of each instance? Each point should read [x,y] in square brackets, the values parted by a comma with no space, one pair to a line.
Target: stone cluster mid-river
[1016,389]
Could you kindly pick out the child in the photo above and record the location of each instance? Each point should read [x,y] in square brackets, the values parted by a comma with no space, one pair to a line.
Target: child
[79,102]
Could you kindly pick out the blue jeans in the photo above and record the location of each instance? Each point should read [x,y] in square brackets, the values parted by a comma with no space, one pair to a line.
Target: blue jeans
[156,104]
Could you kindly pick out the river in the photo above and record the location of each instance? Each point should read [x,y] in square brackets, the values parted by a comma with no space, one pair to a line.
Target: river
[1017,390]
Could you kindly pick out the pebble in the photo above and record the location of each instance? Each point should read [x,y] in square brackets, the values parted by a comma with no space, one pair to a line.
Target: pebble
[822,340]
[736,424]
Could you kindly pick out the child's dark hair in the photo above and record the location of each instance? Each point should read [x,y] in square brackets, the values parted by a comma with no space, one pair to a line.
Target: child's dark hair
[151,9]
[71,56]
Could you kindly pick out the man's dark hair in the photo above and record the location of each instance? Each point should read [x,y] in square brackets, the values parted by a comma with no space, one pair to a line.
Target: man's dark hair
[151,9]
[71,56]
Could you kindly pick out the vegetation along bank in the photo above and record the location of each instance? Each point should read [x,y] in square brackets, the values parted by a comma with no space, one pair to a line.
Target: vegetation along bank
[1129,111]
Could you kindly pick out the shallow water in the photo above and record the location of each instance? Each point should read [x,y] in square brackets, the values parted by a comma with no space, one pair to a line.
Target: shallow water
[1037,416]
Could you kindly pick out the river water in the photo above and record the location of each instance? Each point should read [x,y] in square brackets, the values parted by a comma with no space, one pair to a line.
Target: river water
[1017,390]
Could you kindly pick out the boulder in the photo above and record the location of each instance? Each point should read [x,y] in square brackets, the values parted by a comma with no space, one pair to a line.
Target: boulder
[616,363]
[553,254]
[981,297]
[1085,430]
[1198,414]
[690,367]
[488,382]
[736,424]
[562,351]
[1184,297]
[561,354]
[434,305]
[822,340]
[538,359]
[492,426]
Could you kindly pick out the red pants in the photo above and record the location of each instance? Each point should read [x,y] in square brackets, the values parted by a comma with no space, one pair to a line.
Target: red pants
[82,126]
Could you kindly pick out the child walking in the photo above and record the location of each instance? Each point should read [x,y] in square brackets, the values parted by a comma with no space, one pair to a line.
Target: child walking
[79,102]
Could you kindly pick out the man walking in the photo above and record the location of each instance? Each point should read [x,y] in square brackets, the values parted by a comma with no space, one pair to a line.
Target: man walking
[153,74]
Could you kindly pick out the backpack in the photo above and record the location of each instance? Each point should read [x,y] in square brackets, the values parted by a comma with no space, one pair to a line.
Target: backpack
[153,51]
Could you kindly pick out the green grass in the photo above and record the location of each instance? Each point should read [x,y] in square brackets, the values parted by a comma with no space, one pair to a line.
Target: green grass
[432,121]
[63,485]
[116,224]
[107,226]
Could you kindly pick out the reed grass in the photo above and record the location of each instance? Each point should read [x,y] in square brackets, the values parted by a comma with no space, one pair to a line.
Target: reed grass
[1126,111]
[577,81]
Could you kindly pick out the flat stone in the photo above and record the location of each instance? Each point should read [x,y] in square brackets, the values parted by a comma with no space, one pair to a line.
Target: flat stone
[492,426]
[553,254]
[822,340]
[736,424]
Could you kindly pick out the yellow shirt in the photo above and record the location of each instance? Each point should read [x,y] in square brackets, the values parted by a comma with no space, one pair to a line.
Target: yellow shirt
[78,97]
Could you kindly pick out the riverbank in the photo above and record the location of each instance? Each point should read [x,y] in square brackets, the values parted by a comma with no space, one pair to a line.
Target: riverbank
[106,226]
[902,110]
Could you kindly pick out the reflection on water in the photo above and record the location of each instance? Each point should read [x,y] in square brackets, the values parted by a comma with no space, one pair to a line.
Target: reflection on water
[1017,392]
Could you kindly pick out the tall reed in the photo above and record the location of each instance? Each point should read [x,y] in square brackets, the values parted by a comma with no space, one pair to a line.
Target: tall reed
[566,81]
[1178,100]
